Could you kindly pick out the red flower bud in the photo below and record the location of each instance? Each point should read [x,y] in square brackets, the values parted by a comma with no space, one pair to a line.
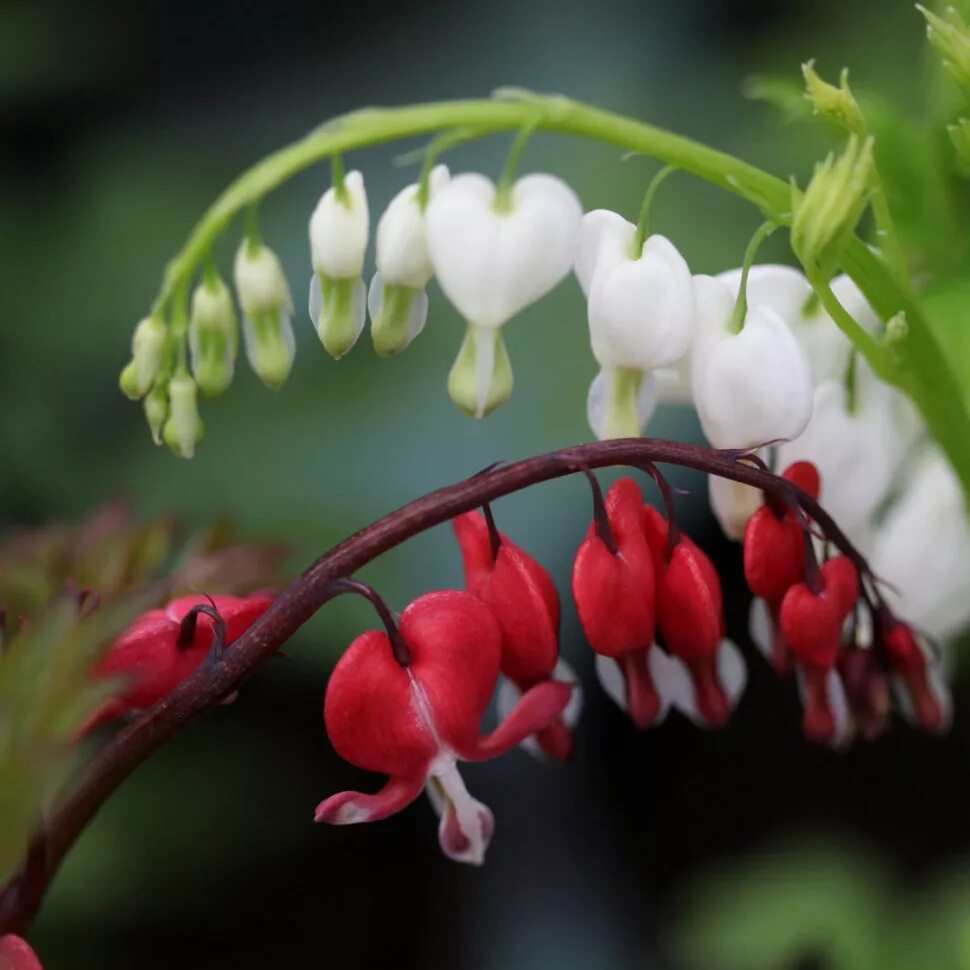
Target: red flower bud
[414,723]
[614,594]
[16,954]
[924,693]
[152,658]
[690,617]
[524,601]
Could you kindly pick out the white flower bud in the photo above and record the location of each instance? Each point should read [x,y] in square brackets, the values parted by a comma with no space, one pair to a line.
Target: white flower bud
[641,307]
[267,305]
[922,549]
[733,503]
[338,230]
[183,428]
[148,347]
[605,239]
[213,337]
[481,377]
[750,387]
[493,261]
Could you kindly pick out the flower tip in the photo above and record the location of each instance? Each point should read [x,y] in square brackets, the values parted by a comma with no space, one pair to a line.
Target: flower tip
[341,809]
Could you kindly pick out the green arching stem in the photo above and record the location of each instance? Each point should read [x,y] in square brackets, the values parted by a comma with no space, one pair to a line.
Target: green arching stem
[337,178]
[180,326]
[643,222]
[253,238]
[741,304]
[439,144]
[886,234]
[924,371]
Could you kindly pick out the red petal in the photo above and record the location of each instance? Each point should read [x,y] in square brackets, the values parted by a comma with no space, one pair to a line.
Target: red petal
[774,554]
[471,531]
[811,626]
[642,700]
[806,476]
[689,606]
[350,807]
[16,954]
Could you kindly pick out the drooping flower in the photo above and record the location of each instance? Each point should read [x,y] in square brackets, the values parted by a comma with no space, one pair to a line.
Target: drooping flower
[494,253]
[183,427]
[524,601]
[641,317]
[148,347]
[213,336]
[920,687]
[163,646]
[690,622]
[397,300]
[614,589]
[415,722]
[750,387]
[17,954]
[267,306]
[811,623]
[339,229]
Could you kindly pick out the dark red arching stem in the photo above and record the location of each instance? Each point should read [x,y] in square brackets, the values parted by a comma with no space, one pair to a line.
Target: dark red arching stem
[813,575]
[206,688]
[191,620]
[401,651]
[667,494]
[494,537]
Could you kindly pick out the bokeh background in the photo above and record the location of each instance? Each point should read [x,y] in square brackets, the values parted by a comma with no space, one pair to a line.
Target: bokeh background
[119,122]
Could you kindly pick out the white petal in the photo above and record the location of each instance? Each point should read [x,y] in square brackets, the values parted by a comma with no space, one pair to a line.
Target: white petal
[755,386]
[641,311]
[663,672]
[315,300]
[339,229]
[260,281]
[466,824]
[733,504]
[838,704]
[731,672]
[646,402]
[493,264]
[605,239]
[760,627]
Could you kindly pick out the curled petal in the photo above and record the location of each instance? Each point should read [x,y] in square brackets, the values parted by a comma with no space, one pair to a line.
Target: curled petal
[537,709]
[351,807]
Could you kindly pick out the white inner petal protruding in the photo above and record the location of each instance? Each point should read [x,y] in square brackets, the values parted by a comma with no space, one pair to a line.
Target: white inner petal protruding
[484,366]
[760,626]
[417,312]
[601,393]
[732,673]
[474,819]
[663,672]
[838,704]
[315,302]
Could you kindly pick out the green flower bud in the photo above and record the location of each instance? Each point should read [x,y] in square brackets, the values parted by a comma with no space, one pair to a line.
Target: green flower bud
[183,429]
[481,377]
[825,216]
[156,410]
[148,347]
[338,307]
[213,337]
[951,39]
[960,136]
[398,314]
[836,103]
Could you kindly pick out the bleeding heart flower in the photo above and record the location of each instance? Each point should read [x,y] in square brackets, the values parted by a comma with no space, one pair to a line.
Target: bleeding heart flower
[613,586]
[920,687]
[415,722]
[750,387]
[163,646]
[811,624]
[690,618]
[524,601]
[494,253]
[16,954]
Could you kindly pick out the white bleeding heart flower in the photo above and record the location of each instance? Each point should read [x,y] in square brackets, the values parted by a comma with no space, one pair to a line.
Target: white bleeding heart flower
[733,503]
[396,300]
[339,228]
[922,550]
[267,307]
[857,451]
[618,396]
[641,315]
[750,387]
[494,254]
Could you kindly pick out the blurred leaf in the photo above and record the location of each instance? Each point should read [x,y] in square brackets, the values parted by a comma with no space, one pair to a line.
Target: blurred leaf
[946,305]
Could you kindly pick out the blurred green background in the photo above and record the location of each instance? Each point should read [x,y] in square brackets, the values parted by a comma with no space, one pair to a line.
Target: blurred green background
[120,123]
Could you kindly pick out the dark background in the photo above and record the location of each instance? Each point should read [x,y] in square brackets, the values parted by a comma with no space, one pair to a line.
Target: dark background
[119,122]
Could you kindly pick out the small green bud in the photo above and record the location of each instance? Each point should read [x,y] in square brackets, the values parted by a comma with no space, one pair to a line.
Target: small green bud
[481,377]
[897,328]
[951,39]
[213,336]
[338,307]
[836,103]
[156,410]
[826,214]
[183,429]
[148,348]
[398,314]
[960,136]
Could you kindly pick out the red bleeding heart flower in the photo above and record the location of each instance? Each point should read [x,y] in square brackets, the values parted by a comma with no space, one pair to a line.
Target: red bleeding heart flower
[16,954]
[524,601]
[614,588]
[925,699]
[811,623]
[415,722]
[161,648]
[690,618]
[774,556]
